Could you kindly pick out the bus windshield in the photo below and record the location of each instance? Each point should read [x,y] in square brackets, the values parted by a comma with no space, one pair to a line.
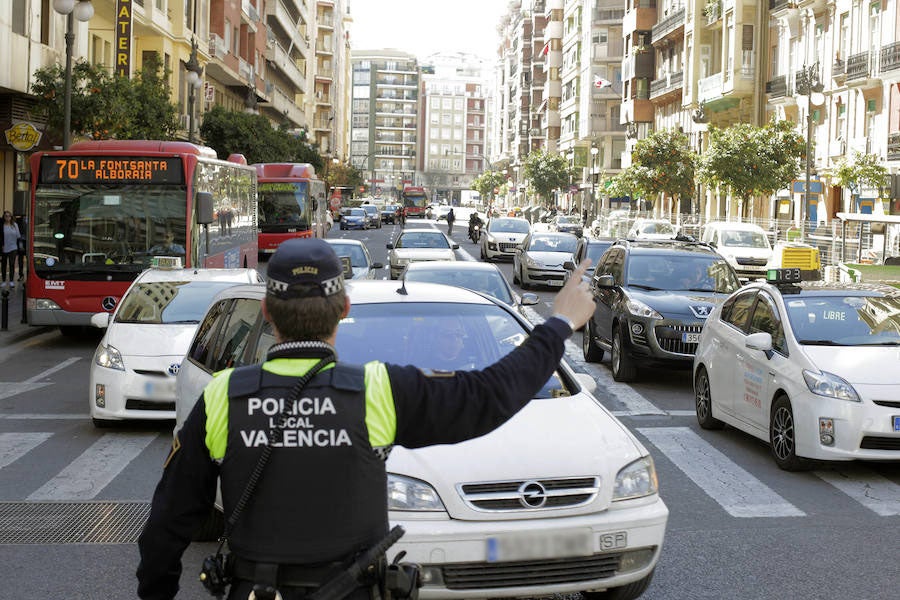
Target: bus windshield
[110,230]
[283,205]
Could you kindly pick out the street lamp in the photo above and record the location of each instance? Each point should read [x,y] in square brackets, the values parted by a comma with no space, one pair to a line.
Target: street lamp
[194,72]
[594,152]
[701,119]
[82,10]
[809,84]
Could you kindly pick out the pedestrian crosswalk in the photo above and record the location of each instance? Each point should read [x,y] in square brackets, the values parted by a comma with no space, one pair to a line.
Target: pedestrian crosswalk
[742,486]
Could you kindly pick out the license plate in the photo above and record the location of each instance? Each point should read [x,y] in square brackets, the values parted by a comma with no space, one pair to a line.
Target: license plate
[160,389]
[896,419]
[690,338]
[529,546]
[555,283]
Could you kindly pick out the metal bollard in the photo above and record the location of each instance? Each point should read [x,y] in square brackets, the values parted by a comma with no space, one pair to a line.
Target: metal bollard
[24,319]
[4,309]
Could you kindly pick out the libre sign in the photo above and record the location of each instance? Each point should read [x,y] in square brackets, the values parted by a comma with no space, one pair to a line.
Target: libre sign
[123,38]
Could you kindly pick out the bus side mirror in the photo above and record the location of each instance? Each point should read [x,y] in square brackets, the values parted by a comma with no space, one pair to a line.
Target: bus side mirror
[204,208]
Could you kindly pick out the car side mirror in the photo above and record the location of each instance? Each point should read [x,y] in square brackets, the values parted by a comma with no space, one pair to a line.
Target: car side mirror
[101,320]
[455,246]
[204,208]
[605,281]
[529,299]
[761,341]
[389,246]
[377,265]
[569,265]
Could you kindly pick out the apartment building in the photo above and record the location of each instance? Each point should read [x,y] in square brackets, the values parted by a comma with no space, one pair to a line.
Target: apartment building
[264,56]
[454,124]
[385,126]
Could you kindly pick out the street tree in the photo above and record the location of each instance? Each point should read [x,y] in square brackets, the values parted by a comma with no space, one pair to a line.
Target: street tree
[862,171]
[663,163]
[106,106]
[547,171]
[344,175]
[751,161]
[229,132]
[487,182]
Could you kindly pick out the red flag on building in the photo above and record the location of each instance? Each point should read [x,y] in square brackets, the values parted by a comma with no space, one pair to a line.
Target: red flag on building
[546,49]
[601,83]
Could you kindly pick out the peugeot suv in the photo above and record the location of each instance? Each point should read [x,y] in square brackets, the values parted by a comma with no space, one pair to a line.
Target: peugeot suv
[653,297]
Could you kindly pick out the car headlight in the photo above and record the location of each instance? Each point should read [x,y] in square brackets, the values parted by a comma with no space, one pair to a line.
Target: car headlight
[404,493]
[402,261]
[636,480]
[109,357]
[534,264]
[639,309]
[830,385]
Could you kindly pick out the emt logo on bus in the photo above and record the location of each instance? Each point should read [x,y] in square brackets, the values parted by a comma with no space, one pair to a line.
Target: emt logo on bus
[110,169]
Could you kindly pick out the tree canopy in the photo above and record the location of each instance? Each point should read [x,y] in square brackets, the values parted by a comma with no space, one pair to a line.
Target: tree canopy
[862,171]
[662,163]
[105,106]
[547,172]
[487,182]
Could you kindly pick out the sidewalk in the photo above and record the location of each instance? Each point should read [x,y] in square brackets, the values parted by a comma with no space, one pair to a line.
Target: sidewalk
[15,330]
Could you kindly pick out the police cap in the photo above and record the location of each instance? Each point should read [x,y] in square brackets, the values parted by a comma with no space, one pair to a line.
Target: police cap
[304,267]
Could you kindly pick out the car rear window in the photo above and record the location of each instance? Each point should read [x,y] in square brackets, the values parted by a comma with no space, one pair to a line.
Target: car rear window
[168,302]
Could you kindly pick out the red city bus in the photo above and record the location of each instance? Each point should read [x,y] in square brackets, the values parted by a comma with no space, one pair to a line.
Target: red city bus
[102,209]
[291,203]
[415,201]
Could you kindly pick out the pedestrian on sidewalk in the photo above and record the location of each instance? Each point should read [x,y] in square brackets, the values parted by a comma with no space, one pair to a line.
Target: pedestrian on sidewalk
[10,249]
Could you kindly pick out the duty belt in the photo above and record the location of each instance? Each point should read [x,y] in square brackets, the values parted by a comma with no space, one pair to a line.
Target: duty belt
[287,575]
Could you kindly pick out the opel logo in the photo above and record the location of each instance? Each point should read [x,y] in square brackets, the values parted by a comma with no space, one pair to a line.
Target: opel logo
[108,303]
[701,312]
[173,368]
[532,494]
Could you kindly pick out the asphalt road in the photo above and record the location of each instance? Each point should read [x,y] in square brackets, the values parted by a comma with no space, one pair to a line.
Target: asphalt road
[738,527]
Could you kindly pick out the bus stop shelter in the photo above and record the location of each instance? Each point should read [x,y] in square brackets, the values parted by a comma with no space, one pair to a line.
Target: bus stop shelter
[886,220]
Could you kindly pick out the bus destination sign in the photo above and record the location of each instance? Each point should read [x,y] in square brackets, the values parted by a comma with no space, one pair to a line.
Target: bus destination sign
[111,169]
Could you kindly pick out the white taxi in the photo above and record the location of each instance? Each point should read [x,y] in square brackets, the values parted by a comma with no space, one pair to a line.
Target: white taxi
[809,367]
[133,369]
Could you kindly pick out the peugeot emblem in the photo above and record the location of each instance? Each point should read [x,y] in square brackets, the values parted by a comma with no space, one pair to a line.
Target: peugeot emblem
[701,312]
[532,494]
[108,303]
[173,368]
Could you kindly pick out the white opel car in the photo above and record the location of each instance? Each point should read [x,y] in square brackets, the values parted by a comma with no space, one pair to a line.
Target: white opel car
[745,246]
[810,368]
[133,369]
[560,499]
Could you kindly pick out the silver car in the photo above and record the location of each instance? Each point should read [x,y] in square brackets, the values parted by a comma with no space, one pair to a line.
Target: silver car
[358,263]
[413,245]
[541,257]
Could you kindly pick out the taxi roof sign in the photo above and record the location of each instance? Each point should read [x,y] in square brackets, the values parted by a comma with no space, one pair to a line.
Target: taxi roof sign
[792,275]
[166,262]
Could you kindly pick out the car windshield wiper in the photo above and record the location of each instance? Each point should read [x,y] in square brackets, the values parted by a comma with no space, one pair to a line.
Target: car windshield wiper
[649,288]
[820,343]
[180,322]
[886,343]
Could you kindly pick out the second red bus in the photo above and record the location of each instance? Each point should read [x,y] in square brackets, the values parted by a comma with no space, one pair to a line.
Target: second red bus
[291,203]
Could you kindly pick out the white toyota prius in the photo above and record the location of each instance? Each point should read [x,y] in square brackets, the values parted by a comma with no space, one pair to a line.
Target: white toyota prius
[133,369]
[809,367]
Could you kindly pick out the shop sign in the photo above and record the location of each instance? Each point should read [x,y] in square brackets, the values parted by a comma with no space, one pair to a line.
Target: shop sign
[23,137]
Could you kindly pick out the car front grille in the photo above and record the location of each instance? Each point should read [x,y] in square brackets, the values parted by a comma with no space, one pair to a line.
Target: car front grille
[137,404]
[669,338]
[873,442]
[752,262]
[888,403]
[466,576]
[527,494]
[507,246]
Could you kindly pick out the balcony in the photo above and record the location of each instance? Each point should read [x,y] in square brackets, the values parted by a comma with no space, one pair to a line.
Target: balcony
[668,26]
[858,67]
[217,48]
[279,14]
[640,18]
[613,15]
[713,11]
[893,146]
[279,57]
[639,65]
[709,88]
[839,69]
[663,86]
[777,87]
[890,57]
[249,11]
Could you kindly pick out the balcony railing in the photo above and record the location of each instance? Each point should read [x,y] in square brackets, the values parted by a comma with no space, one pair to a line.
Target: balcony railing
[858,66]
[893,146]
[713,11]
[839,68]
[615,14]
[668,25]
[709,88]
[779,4]
[777,87]
[666,84]
[890,57]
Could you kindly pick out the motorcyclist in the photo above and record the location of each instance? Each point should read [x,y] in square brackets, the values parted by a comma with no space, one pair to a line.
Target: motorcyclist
[474,220]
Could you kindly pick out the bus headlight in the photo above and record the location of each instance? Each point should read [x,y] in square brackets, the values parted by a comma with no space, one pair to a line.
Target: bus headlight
[42,304]
[109,357]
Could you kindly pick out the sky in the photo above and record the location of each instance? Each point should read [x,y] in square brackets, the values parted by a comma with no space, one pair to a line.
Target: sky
[423,27]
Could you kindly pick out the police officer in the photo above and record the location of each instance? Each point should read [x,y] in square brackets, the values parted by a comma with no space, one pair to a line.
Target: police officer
[319,504]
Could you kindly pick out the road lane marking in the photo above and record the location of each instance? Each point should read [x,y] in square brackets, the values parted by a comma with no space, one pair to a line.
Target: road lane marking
[733,488]
[15,445]
[877,493]
[46,416]
[87,475]
[53,370]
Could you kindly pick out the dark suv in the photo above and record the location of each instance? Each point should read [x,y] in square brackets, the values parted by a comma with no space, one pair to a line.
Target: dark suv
[653,298]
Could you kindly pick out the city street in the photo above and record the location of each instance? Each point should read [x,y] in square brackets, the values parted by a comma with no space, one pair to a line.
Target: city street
[72,496]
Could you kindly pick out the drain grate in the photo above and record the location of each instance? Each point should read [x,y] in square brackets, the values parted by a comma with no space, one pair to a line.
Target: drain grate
[72,522]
